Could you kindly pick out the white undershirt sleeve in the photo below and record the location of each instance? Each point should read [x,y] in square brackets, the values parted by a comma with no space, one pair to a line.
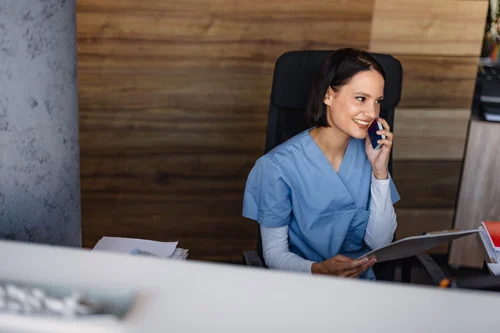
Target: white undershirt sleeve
[277,253]
[382,219]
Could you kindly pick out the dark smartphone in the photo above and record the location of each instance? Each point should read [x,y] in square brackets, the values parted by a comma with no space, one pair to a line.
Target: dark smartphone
[374,137]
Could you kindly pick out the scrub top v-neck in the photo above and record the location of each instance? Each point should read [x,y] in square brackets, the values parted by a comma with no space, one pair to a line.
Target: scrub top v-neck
[326,211]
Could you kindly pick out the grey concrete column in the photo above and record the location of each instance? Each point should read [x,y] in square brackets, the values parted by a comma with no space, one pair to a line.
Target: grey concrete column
[39,150]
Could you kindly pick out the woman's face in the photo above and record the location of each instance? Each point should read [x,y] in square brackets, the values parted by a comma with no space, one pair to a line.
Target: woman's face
[354,106]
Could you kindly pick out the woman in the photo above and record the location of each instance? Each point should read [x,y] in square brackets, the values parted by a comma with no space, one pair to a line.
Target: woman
[325,197]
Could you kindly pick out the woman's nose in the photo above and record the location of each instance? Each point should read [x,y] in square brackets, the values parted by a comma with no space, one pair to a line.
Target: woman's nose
[372,112]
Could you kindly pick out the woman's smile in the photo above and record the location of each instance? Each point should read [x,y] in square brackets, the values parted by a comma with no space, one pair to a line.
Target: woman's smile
[363,124]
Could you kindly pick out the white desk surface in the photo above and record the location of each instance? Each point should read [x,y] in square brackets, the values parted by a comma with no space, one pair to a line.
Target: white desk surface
[175,296]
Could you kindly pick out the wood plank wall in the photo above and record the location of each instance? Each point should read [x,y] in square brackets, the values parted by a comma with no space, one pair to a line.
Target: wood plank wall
[173,110]
[438,44]
[173,104]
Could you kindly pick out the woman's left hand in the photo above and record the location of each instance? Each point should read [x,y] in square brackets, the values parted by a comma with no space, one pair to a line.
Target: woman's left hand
[380,158]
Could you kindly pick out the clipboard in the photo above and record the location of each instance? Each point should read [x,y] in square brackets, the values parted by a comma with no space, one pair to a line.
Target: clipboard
[414,245]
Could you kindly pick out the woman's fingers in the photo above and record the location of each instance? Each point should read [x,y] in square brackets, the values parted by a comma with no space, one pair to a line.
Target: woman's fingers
[384,124]
[385,142]
[362,265]
[357,263]
[356,271]
[347,267]
[389,135]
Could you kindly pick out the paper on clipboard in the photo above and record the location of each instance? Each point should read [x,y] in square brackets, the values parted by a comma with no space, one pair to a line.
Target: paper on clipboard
[414,245]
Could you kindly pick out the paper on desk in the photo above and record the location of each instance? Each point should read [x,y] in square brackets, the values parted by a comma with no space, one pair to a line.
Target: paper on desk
[180,254]
[125,245]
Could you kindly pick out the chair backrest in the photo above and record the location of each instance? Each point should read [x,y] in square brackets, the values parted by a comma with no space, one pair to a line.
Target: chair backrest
[294,74]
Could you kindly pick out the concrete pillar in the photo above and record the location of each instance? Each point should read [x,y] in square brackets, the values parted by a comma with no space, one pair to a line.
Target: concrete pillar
[39,150]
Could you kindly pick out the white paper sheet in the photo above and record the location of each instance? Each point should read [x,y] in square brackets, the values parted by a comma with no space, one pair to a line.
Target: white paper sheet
[125,245]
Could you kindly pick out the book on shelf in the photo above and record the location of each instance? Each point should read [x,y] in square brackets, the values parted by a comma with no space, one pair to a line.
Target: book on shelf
[492,229]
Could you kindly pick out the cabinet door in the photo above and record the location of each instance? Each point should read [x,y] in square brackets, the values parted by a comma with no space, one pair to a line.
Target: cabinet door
[479,195]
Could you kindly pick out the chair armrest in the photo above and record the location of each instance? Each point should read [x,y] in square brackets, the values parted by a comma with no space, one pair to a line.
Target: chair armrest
[432,269]
[252,258]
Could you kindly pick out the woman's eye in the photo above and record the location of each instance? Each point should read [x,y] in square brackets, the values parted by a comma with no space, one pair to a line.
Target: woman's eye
[360,98]
[379,101]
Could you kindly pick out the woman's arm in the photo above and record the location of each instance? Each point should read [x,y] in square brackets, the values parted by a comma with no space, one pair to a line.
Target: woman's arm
[277,254]
[382,219]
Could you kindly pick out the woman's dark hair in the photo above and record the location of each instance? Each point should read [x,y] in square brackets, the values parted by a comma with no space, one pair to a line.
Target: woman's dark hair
[337,70]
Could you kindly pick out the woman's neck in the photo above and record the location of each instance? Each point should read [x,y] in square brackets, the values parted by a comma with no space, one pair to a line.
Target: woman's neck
[332,141]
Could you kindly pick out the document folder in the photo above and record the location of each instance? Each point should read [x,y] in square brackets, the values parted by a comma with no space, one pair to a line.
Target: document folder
[414,245]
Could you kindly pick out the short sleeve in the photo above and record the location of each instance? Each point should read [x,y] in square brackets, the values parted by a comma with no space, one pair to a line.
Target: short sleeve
[267,195]
[394,192]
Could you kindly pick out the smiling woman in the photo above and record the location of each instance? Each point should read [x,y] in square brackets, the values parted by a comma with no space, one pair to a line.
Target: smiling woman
[325,196]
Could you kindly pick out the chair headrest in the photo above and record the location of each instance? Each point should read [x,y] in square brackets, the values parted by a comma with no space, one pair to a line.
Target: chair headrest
[295,71]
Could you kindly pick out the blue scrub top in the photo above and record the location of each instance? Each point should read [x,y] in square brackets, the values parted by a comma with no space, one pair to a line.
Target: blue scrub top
[327,212]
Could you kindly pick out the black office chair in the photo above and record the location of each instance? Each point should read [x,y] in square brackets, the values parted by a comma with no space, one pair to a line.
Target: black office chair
[294,74]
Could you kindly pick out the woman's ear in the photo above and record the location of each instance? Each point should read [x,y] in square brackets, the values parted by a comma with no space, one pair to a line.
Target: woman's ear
[328,96]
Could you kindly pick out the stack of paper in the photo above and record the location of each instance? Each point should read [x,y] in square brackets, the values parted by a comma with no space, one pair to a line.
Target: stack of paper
[135,246]
[181,254]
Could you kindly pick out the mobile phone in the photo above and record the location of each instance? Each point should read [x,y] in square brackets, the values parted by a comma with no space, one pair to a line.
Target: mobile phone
[372,132]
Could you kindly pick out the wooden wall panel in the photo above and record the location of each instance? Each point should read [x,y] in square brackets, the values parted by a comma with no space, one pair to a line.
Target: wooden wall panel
[208,224]
[259,10]
[430,134]
[173,110]
[428,27]
[228,28]
[167,114]
[413,222]
[427,184]
[437,81]
[428,191]
[216,32]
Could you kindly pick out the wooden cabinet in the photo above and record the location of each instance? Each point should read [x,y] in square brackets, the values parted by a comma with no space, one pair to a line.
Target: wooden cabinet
[479,194]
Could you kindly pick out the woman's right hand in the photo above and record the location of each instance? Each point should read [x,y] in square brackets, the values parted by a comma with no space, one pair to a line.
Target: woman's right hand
[342,266]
